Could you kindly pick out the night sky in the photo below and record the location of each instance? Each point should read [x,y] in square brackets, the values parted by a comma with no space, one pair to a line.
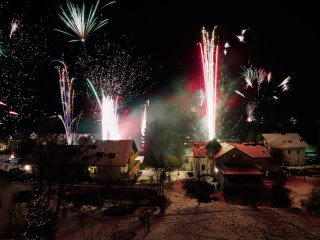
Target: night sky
[281,38]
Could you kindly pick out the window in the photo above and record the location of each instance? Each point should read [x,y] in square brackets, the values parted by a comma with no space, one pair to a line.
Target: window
[203,167]
[298,151]
[99,154]
[111,155]
[289,152]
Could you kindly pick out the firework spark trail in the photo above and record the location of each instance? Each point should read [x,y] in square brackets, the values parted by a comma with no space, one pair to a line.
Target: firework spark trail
[67,99]
[14,27]
[144,123]
[208,51]
[2,51]
[109,119]
[2,103]
[239,93]
[109,116]
[13,113]
[250,110]
[80,23]
[284,84]
[241,36]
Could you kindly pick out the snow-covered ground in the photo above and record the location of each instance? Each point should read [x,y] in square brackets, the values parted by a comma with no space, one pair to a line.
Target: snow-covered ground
[184,219]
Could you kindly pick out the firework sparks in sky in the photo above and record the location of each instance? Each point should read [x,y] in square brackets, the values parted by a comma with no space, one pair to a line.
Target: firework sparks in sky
[109,115]
[258,86]
[116,72]
[25,56]
[14,27]
[241,36]
[284,84]
[67,98]
[226,46]
[79,22]
[209,54]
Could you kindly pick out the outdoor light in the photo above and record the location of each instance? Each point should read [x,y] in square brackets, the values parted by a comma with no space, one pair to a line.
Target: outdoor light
[28,168]
[216,169]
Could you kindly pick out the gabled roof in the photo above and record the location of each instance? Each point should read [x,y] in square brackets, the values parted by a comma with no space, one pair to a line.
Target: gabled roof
[287,140]
[199,149]
[254,151]
[110,153]
[225,147]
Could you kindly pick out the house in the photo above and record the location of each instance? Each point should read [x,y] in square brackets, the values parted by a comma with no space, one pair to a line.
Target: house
[111,160]
[203,153]
[202,164]
[240,163]
[3,145]
[290,148]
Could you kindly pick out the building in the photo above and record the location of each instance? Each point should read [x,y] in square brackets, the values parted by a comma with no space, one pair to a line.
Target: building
[3,145]
[289,148]
[202,164]
[236,163]
[111,160]
[203,153]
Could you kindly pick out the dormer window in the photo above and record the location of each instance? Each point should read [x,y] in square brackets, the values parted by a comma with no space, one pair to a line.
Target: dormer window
[99,154]
[111,155]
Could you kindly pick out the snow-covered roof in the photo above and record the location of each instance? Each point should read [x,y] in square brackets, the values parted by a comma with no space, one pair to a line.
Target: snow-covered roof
[225,147]
[199,149]
[287,140]
[254,151]
[109,153]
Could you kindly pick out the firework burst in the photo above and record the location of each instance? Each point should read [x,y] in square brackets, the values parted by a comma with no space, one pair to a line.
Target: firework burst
[81,24]
[67,99]
[209,54]
[258,86]
[109,116]
[116,72]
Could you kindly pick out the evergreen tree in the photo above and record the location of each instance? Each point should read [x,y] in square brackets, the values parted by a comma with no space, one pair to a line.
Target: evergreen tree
[39,218]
